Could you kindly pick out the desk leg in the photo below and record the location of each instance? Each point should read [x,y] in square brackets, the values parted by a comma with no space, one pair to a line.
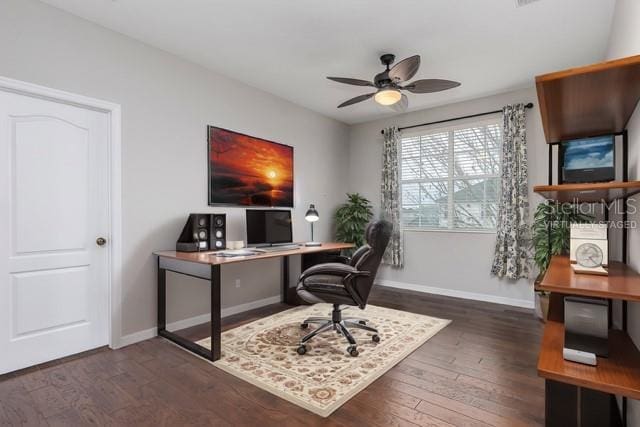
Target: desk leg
[216,321]
[216,314]
[162,298]
[285,279]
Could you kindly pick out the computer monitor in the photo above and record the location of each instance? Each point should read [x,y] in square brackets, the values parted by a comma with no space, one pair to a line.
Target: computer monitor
[588,159]
[268,227]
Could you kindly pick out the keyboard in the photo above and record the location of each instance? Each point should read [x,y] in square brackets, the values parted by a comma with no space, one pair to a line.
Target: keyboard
[278,248]
[235,252]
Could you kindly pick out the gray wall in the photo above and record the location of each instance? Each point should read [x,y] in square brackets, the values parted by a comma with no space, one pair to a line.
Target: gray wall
[625,41]
[166,105]
[454,262]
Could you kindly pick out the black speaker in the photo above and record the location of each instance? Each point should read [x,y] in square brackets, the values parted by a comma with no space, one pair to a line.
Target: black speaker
[218,232]
[203,232]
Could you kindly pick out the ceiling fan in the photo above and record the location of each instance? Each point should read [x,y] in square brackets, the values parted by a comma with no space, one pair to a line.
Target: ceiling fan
[389,82]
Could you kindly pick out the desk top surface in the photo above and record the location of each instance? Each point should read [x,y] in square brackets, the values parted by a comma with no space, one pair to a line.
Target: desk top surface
[210,258]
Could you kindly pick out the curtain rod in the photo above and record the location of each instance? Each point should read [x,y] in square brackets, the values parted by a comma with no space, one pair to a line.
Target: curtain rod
[529,105]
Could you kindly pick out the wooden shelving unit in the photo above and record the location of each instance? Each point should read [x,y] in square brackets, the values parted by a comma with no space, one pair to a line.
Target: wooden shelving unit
[617,374]
[622,283]
[620,372]
[598,192]
[593,100]
[597,99]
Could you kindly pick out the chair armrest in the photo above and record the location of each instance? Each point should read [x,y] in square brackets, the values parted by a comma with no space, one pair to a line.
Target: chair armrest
[332,269]
[341,259]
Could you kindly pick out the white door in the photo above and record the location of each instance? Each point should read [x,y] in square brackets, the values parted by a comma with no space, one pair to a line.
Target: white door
[54,294]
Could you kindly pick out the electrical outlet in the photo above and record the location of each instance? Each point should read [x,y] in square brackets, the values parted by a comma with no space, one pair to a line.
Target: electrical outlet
[237,283]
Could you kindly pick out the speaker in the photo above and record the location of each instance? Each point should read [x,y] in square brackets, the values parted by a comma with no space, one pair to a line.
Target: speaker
[218,232]
[203,232]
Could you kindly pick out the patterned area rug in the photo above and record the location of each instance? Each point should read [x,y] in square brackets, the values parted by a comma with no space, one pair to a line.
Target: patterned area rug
[264,353]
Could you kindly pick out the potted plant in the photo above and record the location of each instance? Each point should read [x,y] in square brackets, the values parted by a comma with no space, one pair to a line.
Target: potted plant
[352,218]
[551,231]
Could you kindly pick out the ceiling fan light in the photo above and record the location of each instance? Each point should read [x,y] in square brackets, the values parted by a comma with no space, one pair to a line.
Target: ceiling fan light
[387,96]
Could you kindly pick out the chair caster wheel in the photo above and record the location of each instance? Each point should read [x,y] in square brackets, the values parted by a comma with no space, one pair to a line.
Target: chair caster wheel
[301,350]
[304,325]
[353,351]
[362,322]
[375,338]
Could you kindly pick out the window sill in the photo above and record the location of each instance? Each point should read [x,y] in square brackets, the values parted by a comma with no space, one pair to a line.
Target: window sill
[447,230]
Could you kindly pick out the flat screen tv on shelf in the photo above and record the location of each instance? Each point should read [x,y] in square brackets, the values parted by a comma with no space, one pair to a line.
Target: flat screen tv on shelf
[588,159]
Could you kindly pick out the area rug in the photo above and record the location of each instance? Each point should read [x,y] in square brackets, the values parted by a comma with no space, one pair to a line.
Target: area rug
[263,353]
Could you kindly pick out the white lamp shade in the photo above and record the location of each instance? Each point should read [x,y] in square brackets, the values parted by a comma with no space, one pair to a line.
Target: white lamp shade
[312,214]
[387,96]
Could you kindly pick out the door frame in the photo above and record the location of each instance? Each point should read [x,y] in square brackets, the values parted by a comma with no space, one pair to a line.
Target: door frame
[114,259]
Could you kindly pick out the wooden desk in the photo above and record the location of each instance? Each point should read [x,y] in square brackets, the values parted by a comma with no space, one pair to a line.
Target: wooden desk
[206,266]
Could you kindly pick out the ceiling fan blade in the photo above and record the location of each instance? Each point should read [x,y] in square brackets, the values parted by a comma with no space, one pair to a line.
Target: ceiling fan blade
[348,81]
[400,106]
[356,100]
[405,69]
[430,85]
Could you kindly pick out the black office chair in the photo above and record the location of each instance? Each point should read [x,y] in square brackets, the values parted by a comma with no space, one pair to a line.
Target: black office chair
[346,283]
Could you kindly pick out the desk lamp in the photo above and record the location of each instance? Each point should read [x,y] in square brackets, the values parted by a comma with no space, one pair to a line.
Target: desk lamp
[312,216]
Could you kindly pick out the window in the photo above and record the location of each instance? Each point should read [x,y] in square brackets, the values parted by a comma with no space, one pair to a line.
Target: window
[450,178]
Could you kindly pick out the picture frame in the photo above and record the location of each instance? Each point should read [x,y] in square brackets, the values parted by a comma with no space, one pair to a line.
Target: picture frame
[248,171]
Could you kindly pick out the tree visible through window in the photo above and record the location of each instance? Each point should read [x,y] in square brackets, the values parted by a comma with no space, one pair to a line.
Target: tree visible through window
[450,178]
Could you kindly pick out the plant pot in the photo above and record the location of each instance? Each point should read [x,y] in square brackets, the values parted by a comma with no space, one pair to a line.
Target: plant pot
[542,306]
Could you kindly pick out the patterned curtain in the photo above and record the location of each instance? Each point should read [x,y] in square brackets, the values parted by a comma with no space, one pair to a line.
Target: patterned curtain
[390,195]
[511,256]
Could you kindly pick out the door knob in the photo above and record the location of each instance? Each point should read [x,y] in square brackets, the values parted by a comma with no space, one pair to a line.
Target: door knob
[100,241]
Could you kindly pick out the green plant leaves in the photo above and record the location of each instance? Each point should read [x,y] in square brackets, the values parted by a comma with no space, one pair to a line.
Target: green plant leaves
[551,230]
[352,218]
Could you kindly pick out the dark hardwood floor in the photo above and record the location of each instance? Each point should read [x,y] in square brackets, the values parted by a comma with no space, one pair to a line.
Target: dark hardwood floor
[478,371]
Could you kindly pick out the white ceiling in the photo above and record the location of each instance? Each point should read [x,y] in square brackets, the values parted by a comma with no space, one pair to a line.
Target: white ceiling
[287,47]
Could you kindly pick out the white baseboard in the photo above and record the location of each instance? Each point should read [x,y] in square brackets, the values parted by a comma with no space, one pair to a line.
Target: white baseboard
[456,293]
[137,337]
[187,323]
[196,320]
[230,311]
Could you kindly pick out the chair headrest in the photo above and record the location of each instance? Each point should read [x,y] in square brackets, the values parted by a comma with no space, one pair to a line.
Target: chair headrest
[378,234]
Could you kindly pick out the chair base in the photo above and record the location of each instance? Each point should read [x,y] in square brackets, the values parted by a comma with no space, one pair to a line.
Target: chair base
[339,325]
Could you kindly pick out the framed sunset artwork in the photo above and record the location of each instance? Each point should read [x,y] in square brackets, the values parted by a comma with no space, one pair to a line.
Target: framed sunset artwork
[248,171]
